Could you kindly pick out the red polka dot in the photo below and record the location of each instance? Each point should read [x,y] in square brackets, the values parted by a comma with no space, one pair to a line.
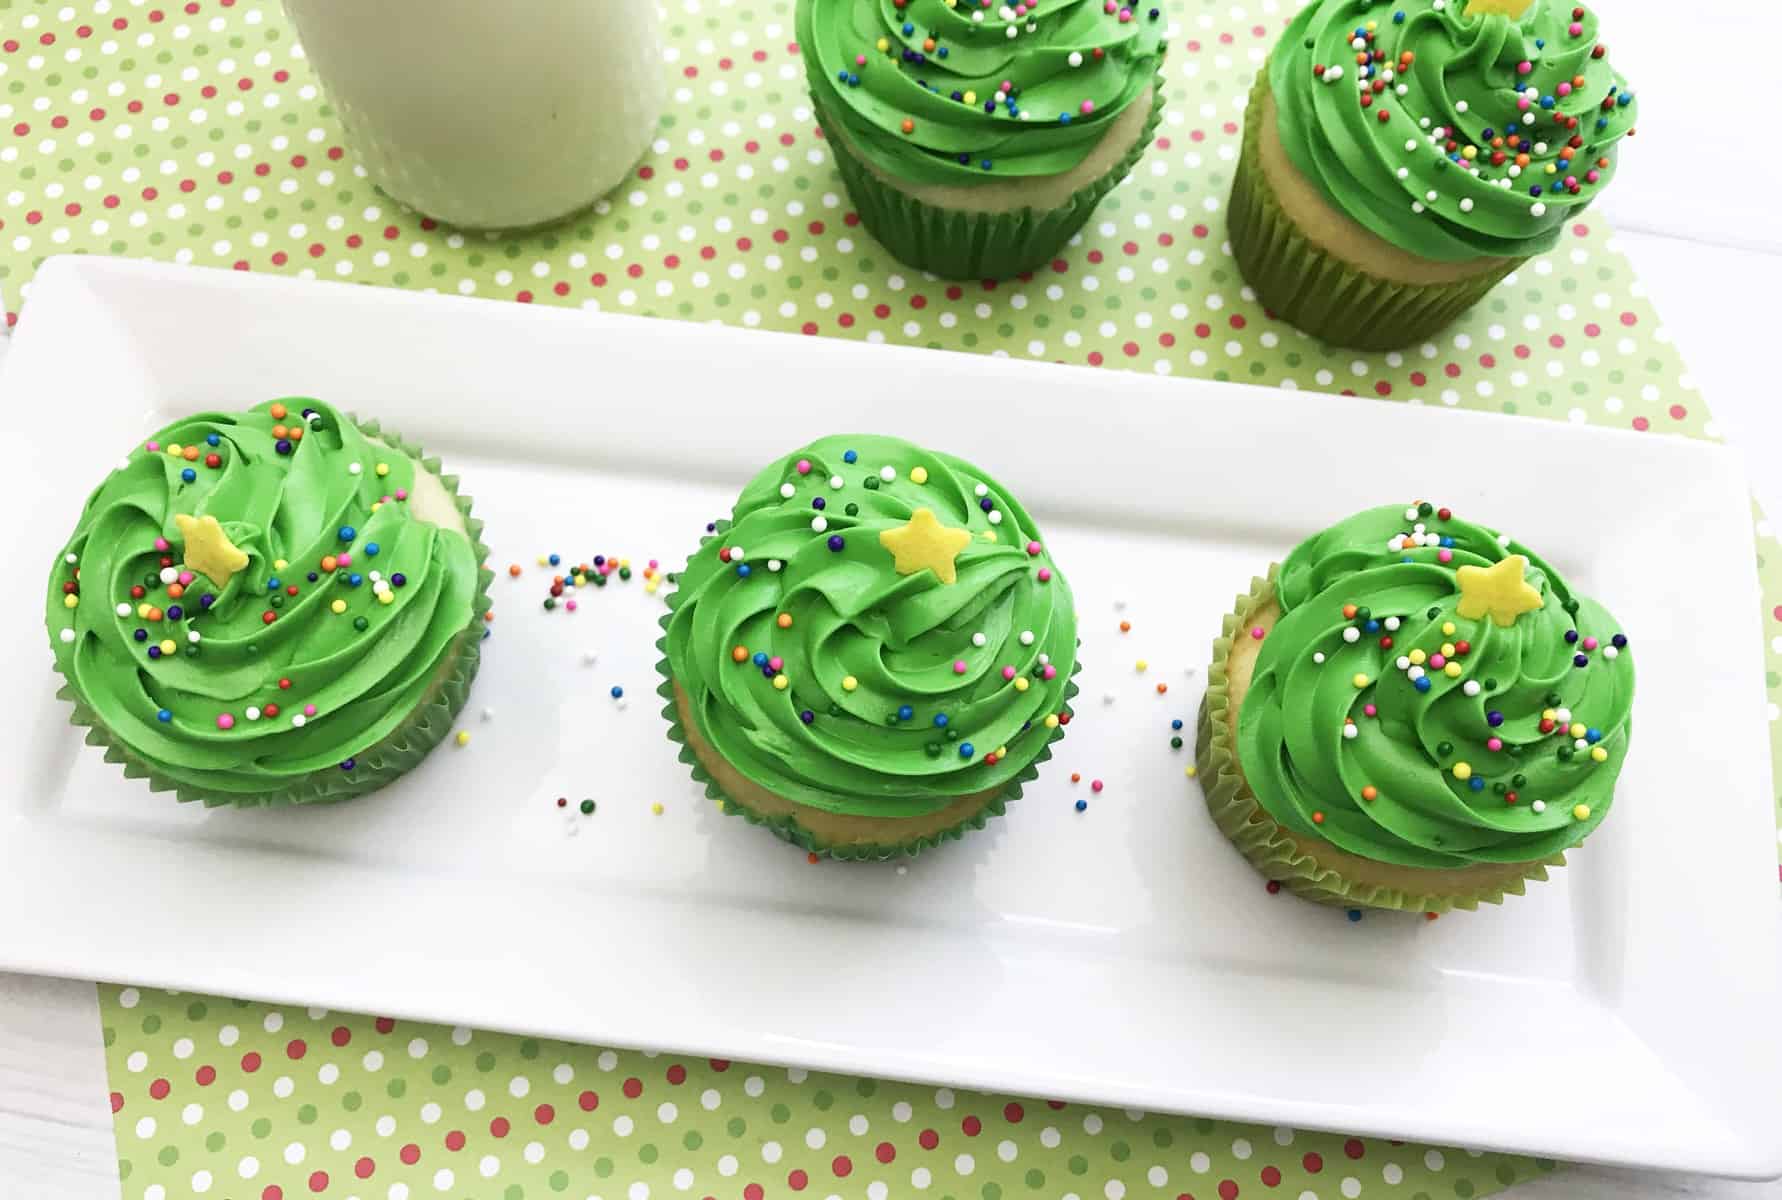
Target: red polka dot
[589,1101]
[1271,1177]
[843,1166]
[1228,1189]
[1452,370]
[928,1139]
[205,1076]
[159,1089]
[1313,1163]
[250,1062]
[561,288]
[633,1088]
[499,1127]
[117,1098]
[1678,412]
[1095,358]
[1641,424]
[1487,361]
[385,1024]
[1383,388]
[272,1191]
[364,1168]
[1777,613]
[1580,230]
[1012,1113]
[753,1192]
[1130,349]
[409,1154]
[972,1126]
[454,1141]
[886,1151]
[318,1181]
[1418,379]
[1354,1148]
[1629,319]
[797,1180]
[1592,329]
[544,1114]
[918,301]
[1237,321]
[295,1048]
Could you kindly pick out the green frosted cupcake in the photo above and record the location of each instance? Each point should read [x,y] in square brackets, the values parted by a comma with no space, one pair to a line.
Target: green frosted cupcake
[1401,157]
[975,140]
[278,606]
[1413,712]
[873,654]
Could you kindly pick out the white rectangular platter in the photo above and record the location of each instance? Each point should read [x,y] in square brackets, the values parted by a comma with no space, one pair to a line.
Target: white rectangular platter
[1124,955]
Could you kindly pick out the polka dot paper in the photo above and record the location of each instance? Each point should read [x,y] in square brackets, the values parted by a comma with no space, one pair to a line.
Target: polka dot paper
[193,131]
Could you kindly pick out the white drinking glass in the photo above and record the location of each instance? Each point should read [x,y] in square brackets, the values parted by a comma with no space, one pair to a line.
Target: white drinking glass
[490,114]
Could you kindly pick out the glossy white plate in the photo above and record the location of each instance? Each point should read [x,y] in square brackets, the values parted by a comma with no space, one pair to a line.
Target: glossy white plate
[1126,955]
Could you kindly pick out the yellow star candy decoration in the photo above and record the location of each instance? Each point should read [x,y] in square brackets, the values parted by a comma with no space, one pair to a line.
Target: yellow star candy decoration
[1498,591]
[925,542]
[208,549]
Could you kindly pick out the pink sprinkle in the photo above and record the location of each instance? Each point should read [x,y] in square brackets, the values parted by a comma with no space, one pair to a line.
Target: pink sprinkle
[1371,711]
[1445,555]
[225,721]
[1576,29]
[309,710]
[776,662]
[1494,743]
[1524,103]
[1125,15]
[1564,89]
[1088,106]
[1437,662]
[185,577]
[160,543]
[1008,672]
[1095,785]
[804,466]
[1050,672]
[1592,176]
[653,564]
[1108,7]
[153,447]
[1590,643]
[860,60]
[1008,85]
[1524,67]
[345,560]
[1256,631]
[1045,574]
[959,666]
[1033,547]
[402,493]
[569,604]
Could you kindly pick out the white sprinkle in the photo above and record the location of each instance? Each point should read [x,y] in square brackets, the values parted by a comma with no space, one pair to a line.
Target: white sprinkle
[122,463]
[1415,673]
[1460,106]
[1539,806]
[774,564]
[1334,73]
[1430,196]
[1439,5]
[995,517]
[1471,687]
[67,635]
[1402,90]
[787,491]
[1075,60]
[981,491]
[1350,731]
[252,714]
[1403,663]
[488,714]
[71,558]
[1011,31]
[887,473]
[1423,123]
[1358,43]
[1580,744]
[1611,652]
[123,610]
[1466,205]
[819,522]
[1318,657]
[978,639]
[1044,659]
[1564,716]
[169,575]
[835,481]
[193,636]
[375,576]
[1027,639]
[1537,209]
[736,554]
[1411,145]
[1411,513]
[1351,634]
[299,721]
[1392,624]
[1540,148]
[1404,172]
[354,468]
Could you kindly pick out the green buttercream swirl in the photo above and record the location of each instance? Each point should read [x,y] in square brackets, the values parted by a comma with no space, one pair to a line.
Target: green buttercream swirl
[1464,88]
[899,636]
[1291,739]
[1039,129]
[273,506]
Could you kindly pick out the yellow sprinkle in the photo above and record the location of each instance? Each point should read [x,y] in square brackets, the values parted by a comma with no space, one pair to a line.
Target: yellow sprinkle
[168,646]
[376,505]
[781,683]
[849,683]
[651,587]
[581,581]
[918,474]
[1452,670]
[884,45]
[1552,170]
[1448,630]
[1579,729]
[1582,812]
[1051,721]
[1021,683]
[173,449]
[1548,714]
[624,562]
[1372,25]
[1447,649]
[1417,657]
[338,606]
[1598,754]
[1463,770]
[383,468]
[1470,152]
[386,597]
[1360,680]
[656,807]
[70,600]
[279,564]
[1190,772]
[544,560]
[720,805]
[971,97]
[464,737]
[1140,665]
[142,610]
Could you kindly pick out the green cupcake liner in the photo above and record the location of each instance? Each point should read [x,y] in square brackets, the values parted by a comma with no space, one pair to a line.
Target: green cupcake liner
[955,244]
[787,828]
[1319,293]
[1265,844]
[385,760]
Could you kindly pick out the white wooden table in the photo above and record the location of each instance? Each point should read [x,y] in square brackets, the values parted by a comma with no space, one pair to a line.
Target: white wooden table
[1695,208]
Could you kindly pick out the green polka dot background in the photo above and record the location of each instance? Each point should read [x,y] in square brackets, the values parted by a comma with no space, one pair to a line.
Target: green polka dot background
[194,132]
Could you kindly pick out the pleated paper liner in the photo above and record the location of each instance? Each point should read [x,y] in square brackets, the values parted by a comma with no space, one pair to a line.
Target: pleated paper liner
[956,244]
[1319,293]
[1316,870]
[376,765]
[787,827]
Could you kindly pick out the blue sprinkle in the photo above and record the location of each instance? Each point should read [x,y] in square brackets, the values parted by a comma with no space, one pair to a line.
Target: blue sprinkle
[1581,660]
[141,635]
[188,475]
[1618,641]
[1448,542]
[940,720]
[1372,627]
[348,764]
[1082,805]
[1571,635]
[985,164]
[743,569]
[272,585]
[819,503]
[164,716]
[965,160]
[1625,99]
[760,659]
[1535,190]
[807,716]
[1398,18]
[355,579]
[399,579]
[1422,684]
[1064,118]
[154,652]
[1476,784]
[175,612]
[853,79]
[1540,43]
[1176,724]
[842,75]
[1547,102]
[908,28]
[1494,718]
[942,52]
[1354,915]
[283,446]
[1602,122]
[849,456]
[1593,735]
[989,106]
[986,504]
[206,600]
[348,533]
[212,439]
[906,712]
[371,549]
[600,559]
[1405,558]
[767,672]
[966,750]
[555,558]
[617,691]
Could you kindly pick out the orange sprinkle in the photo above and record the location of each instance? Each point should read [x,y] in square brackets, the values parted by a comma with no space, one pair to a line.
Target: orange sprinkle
[278,412]
[1162,688]
[811,858]
[1369,792]
[1522,160]
[1317,818]
[1126,627]
[175,591]
[784,620]
[928,44]
[489,616]
[279,431]
[909,126]
[513,569]
[295,433]
[329,562]
[1075,778]
[191,453]
[739,654]
[1431,916]
[1349,611]
[155,614]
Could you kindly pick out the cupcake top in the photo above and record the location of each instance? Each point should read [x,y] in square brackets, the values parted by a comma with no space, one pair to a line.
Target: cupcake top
[251,597]
[1451,128]
[1434,695]
[954,91]
[878,630]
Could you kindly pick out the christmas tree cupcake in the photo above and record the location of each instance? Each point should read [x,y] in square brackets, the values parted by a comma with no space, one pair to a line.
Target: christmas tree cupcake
[873,654]
[1413,712]
[1401,157]
[278,606]
[975,139]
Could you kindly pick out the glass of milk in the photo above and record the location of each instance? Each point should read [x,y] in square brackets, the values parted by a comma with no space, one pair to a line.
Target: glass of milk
[490,114]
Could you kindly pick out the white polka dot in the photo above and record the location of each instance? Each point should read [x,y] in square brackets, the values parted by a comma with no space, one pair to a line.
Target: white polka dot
[964,1164]
[1092,1124]
[1433,1160]
[683,1179]
[228,1035]
[248,1167]
[145,1128]
[1393,1174]
[562,1073]
[282,1087]
[638,1191]
[1049,1137]
[373,1060]
[294,1153]
[622,1126]
[920,1178]
[488,1166]
[191,1114]
[754,1085]
[386,1125]
[666,1112]
[442,1179]
[728,1166]
[1240,1149]
[518,1086]
[770,1152]
[1157,1176]
[417,1048]
[238,1100]
[1199,1163]
[273,1022]
[607,1060]
[340,1140]
[430,1113]
[136,1063]
[1006,1150]
[1350,1187]
[533,1152]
